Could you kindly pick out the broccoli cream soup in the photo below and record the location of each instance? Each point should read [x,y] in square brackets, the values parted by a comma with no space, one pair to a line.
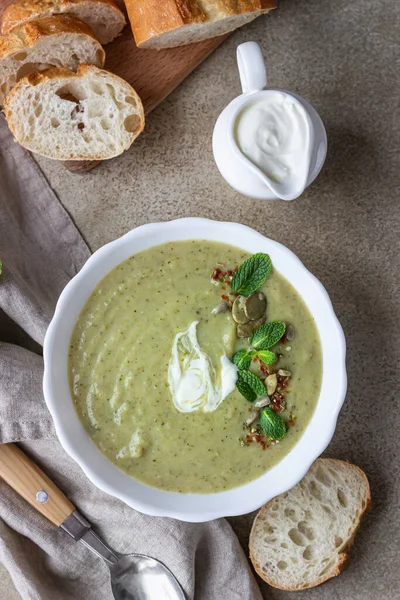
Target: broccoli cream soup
[195,367]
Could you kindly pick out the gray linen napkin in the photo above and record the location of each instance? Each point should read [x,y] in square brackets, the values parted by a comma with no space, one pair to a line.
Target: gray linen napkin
[41,250]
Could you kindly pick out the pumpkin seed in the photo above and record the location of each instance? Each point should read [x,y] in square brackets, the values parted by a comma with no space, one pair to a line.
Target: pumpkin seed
[238,313]
[289,333]
[220,308]
[284,373]
[253,416]
[258,322]
[262,402]
[244,330]
[255,305]
[271,384]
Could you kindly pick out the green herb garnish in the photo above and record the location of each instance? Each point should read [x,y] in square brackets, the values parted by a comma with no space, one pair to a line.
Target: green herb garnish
[272,424]
[267,335]
[251,274]
[249,277]
[242,358]
[267,357]
[249,385]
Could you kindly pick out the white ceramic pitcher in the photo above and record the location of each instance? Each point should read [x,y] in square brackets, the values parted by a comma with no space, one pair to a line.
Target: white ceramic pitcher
[241,174]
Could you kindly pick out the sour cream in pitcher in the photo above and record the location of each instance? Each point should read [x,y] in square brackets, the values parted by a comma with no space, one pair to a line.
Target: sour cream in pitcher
[273,132]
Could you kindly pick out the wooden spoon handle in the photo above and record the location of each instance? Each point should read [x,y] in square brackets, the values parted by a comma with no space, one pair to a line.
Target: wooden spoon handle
[32,484]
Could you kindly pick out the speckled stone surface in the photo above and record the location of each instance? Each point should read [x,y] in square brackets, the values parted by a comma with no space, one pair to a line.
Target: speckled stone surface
[344,57]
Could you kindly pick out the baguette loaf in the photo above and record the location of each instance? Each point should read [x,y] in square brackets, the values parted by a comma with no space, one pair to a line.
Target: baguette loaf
[60,41]
[172,23]
[301,538]
[103,16]
[88,115]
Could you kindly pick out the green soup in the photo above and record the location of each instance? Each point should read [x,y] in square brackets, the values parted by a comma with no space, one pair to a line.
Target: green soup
[119,356]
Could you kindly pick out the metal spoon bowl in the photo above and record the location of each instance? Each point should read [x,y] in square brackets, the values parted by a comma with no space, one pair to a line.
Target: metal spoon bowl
[139,577]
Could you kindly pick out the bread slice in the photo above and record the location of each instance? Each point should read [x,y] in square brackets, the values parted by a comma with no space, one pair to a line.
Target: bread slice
[103,16]
[60,41]
[172,23]
[300,538]
[88,115]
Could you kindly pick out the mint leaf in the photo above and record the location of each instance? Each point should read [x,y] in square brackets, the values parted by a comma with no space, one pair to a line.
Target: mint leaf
[268,335]
[251,274]
[267,357]
[242,358]
[272,424]
[250,386]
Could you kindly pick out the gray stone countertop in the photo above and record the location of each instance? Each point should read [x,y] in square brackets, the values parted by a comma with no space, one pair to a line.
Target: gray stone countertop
[344,57]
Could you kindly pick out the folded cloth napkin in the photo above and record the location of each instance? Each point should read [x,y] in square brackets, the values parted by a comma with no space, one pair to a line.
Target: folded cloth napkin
[41,250]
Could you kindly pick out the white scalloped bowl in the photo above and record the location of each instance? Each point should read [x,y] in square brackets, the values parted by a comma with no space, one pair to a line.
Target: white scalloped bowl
[193,507]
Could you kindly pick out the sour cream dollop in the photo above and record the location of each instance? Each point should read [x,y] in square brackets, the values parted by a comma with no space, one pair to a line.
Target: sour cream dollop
[273,132]
[192,379]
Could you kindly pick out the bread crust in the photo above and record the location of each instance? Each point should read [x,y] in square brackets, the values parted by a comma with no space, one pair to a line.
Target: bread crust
[83,70]
[28,34]
[343,556]
[22,11]
[150,18]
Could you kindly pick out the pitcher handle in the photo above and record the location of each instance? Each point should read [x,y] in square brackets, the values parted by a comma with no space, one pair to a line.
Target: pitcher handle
[252,71]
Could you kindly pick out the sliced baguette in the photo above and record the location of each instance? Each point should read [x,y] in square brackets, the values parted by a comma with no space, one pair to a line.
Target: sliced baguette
[103,16]
[60,41]
[300,538]
[88,115]
[172,23]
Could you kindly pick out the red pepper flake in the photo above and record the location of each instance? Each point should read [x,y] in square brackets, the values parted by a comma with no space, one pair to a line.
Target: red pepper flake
[263,368]
[260,441]
[216,274]
[278,402]
[291,422]
[224,297]
[223,287]
[227,282]
[229,273]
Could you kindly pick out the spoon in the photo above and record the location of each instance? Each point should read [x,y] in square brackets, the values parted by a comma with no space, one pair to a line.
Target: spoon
[133,576]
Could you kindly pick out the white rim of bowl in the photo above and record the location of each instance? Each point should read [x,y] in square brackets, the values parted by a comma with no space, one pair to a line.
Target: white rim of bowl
[251,504]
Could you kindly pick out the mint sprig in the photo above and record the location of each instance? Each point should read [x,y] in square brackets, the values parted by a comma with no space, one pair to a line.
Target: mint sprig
[267,357]
[272,424]
[267,335]
[251,274]
[242,358]
[249,385]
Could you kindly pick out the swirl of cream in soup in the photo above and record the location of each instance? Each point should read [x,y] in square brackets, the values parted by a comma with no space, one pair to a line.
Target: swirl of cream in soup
[192,378]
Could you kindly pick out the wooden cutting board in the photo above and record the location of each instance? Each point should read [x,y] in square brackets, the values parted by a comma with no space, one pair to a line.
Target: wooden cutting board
[153,73]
